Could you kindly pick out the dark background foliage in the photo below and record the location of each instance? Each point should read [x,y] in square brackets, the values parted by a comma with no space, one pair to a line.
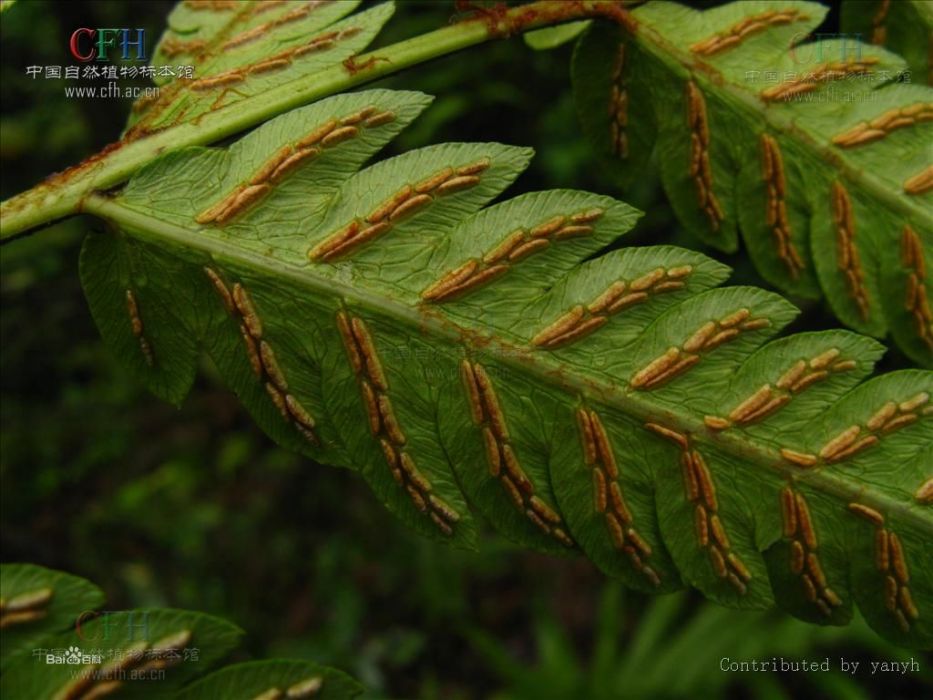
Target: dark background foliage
[193,507]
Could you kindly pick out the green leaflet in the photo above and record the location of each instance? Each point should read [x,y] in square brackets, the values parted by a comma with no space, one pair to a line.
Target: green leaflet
[195,30]
[810,152]
[625,406]
[291,678]
[906,25]
[621,135]
[117,277]
[242,50]
[38,602]
[552,37]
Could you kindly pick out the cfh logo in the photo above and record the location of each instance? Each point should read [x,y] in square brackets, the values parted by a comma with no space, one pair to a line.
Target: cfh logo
[73,656]
[841,47]
[131,625]
[98,44]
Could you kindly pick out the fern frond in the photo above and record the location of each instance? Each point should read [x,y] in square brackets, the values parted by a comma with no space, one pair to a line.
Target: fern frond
[240,51]
[808,149]
[625,407]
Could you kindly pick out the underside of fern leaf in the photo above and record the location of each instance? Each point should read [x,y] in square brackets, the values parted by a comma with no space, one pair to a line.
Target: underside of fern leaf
[480,360]
[240,51]
[815,151]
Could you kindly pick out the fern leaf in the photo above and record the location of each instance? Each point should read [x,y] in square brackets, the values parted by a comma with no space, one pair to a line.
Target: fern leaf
[109,267]
[199,31]
[273,679]
[126,647]
[809,151]
[37,602]
[243,50]
[625,407]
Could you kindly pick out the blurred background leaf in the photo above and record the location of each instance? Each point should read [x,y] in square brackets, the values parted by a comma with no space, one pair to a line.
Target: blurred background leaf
[38,602]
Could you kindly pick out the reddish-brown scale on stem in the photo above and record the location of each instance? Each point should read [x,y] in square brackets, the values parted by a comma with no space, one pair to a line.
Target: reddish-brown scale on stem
[500,22]
[353,67]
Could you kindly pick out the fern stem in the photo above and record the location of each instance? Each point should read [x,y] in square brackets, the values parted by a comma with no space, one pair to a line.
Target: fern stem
[62,194]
